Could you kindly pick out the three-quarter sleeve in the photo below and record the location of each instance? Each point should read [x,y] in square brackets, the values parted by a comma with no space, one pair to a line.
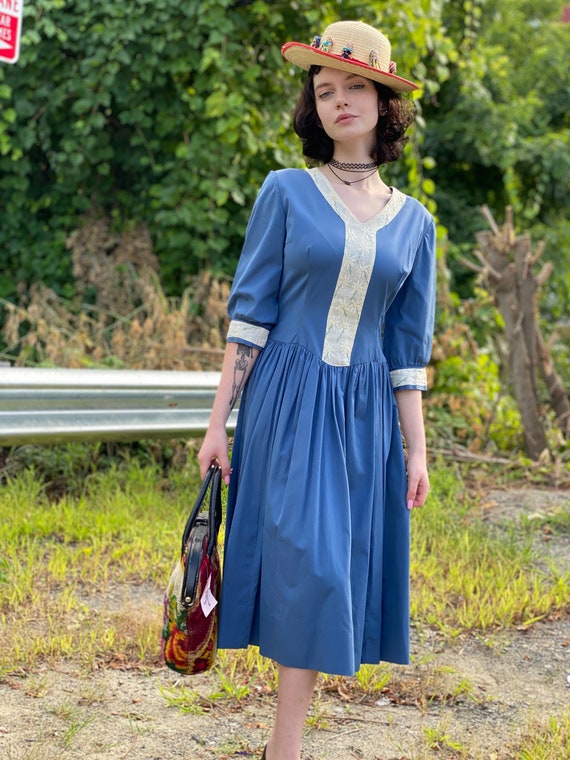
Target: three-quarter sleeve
[254,298]
[408,328]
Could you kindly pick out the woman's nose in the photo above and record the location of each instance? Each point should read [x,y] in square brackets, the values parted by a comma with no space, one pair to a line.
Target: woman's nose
[341,99]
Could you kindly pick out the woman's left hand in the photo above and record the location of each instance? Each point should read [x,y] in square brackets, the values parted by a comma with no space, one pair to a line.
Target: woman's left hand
[418,482]
[412,424]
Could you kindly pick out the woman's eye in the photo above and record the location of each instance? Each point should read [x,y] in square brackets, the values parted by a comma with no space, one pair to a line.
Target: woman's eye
[324,95]
[357,87]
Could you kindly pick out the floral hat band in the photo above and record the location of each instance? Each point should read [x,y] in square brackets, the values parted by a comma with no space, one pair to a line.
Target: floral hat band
[350,46]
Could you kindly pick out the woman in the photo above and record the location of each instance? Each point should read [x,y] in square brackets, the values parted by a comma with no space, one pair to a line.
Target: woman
[331,326]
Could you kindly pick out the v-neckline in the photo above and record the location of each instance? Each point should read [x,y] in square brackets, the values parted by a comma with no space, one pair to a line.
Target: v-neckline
[380,219]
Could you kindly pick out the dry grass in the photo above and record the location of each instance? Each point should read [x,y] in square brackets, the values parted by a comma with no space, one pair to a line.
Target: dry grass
[121,316]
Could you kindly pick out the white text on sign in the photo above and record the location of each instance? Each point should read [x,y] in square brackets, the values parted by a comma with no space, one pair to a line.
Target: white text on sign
[10,29]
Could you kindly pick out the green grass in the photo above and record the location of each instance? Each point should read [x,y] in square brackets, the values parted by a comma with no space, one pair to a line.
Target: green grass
[123,530]
[467,575]
[550,741]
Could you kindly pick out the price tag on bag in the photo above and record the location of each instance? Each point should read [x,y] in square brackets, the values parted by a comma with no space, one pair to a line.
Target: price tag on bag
[208,601]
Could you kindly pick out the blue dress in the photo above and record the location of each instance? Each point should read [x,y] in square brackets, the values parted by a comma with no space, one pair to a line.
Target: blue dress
[316,565]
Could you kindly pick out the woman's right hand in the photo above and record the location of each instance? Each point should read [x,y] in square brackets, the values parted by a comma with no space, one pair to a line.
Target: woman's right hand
[238,361]
[214,450]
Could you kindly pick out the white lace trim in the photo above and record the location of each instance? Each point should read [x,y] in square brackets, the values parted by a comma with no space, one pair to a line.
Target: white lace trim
[415,376]
[379,220]
[249,333]
[355,272]
[350,292]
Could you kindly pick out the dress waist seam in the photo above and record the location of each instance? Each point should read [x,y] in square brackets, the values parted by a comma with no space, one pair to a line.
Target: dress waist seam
[381,360]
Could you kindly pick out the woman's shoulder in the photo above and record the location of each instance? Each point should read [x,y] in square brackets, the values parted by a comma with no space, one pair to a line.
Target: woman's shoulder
[416,210]
[288,178]
[285,184]
[289,173]
[281,187]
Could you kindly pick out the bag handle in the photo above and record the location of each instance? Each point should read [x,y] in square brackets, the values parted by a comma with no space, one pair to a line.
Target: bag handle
[213,477]
[215,508]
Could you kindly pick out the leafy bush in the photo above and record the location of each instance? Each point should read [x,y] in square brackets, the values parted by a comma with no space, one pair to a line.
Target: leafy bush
[468,402]
[160,113]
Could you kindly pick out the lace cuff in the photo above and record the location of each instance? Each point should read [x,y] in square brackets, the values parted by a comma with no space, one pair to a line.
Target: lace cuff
[243,332]
[414,378]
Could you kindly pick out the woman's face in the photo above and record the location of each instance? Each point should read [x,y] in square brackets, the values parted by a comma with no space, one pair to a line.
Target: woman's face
[347,105]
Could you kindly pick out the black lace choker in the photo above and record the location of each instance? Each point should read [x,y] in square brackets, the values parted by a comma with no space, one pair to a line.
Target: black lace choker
[352,181]
[347,167]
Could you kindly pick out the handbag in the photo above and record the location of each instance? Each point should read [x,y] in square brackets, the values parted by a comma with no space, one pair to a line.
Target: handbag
[190,626]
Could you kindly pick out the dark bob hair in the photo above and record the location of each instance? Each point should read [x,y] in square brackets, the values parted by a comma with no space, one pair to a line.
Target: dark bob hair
[318,146]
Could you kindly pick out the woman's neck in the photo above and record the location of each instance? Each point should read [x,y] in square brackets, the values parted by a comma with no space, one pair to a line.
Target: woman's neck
[355,169]
[352,157]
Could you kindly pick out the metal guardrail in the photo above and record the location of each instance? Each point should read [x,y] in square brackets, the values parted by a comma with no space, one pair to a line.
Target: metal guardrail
[61,405]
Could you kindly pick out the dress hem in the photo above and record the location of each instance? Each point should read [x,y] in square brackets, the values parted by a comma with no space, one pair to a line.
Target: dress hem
[347,672]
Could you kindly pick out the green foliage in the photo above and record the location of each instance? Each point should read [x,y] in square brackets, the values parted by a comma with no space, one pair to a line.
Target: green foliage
[59,468]
[143,116]
[165,113]
[71,468]
[468,402]
[499,130]
[506,110]
[555,305]
[469,406]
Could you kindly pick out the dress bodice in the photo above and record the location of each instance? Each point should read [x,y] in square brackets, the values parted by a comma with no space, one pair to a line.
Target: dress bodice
[312,274]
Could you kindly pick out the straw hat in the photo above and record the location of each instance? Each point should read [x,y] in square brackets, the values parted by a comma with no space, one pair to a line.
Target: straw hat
[350,46]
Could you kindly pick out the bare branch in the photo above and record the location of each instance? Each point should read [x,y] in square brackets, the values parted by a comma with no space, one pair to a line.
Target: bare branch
[540,248]
[473,267]
[508,227]
[544,273]
[488,268]
[490,219]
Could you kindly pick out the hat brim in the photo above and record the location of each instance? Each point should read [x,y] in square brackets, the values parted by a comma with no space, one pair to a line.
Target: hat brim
[306,56]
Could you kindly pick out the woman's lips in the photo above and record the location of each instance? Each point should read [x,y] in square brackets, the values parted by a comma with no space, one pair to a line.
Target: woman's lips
[344,117]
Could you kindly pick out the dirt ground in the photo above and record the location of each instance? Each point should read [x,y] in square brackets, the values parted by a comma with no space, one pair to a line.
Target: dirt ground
[472,699]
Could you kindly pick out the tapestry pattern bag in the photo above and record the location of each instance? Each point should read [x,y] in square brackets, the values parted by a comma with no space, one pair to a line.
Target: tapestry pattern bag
[190,627]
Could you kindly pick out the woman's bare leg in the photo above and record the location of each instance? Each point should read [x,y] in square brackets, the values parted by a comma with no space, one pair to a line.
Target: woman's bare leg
[294,695]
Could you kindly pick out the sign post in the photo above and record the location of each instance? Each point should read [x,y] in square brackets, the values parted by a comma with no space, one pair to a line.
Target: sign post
[10,29]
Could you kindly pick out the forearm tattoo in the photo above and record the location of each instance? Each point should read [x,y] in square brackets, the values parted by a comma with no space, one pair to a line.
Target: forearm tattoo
[243,358]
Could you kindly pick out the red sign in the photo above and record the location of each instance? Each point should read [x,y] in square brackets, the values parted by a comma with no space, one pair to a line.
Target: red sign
[10,29]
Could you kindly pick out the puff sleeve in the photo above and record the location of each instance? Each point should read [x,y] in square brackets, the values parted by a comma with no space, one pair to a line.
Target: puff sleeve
[408,327]
[253,304]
